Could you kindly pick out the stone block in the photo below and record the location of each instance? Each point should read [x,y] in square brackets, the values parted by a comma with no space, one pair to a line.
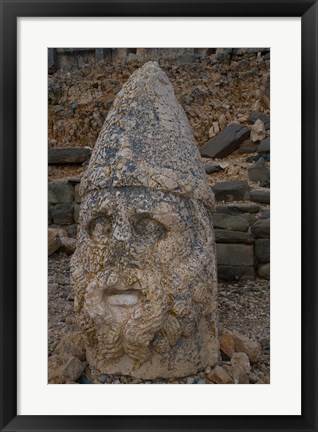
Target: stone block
[255,115]
[235,254]
[262,250]
[235,273]
[229,222]
[218,375]
[261,228]
[226,142]
[231,191]
[263,271]
[264,146]
[248,147]
[243,344]
[68,155]
[226,236]
[62,214]
[60,192]
[260,196]
[258,174]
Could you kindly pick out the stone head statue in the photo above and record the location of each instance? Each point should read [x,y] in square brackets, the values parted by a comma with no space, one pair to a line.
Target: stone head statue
[144,270]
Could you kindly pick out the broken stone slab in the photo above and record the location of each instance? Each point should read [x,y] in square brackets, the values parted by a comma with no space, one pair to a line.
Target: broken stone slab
[231,191]
[60,192]
[68,155]
[218,375]
[226,236]
[54,241]
[261,229]
[229,222]
[247,147]
[248,346]
[262,250]
[235,273]
[264,146]
[62,214]
[263,271]
[260,196]
[235,254]
[258,174]
[255,115]
[226,142]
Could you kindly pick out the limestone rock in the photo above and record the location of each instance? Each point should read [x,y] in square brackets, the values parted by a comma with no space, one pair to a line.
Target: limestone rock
[54,241]
[218,375]
[245,345]
[258,132]
[144,270]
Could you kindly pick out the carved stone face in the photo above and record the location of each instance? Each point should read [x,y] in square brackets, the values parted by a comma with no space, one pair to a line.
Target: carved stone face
[144,276]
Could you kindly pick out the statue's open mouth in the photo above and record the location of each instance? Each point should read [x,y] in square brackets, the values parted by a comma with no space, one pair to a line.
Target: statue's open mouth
[125,298]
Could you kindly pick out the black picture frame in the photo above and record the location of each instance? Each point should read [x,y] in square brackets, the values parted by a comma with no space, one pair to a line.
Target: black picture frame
[10,11]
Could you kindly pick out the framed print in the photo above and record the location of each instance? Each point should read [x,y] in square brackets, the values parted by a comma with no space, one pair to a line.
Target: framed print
[128,293]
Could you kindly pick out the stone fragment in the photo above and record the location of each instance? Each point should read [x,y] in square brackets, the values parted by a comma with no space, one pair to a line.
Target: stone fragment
[260,196]
[235,254]
[262,250]
[62,214]
[227,343]
[258,132]
[210,169]
[263,271]
[264,146]
[237,374]
[258,174]
[72,370]
[248,147]
[226,142]
[235,273]
[241,360]
[54,241]
[245,345]
[60,192]
[68,245]
[231,191]
[144,211]
[219,376]
[226,236]
[255,115]
[72,231]
[68,155]
[261,228]
[229,222]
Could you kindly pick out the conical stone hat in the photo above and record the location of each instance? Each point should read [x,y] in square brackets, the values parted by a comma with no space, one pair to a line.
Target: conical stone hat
[146,141]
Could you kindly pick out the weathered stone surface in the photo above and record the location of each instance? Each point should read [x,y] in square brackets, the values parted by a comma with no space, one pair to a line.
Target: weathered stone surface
[260,196]
[235,254]
[258,174]
[226,236]
[54,241]
[241,360]
[72,370]
[77,197]
[237,209]
[226,142]
[227,345]
[255,115]
[264,146]
[258,132]
[229,222]
[210,169]
[234,273]
[218,375]
[62,214]
[238,375]
[68,245]
[60,192]
[262,250]
[261,228]
[68,155]
[144,290]
[245,345]
[248,147]
[76,214]
[263,271]
[231,191]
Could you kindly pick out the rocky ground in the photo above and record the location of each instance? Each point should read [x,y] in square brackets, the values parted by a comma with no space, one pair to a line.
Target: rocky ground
[244,307]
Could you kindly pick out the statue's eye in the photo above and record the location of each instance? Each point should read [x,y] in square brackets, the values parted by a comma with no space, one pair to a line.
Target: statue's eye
[145,226]
[99,227]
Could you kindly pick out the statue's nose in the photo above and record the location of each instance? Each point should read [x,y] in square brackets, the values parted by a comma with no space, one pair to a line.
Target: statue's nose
[122,230]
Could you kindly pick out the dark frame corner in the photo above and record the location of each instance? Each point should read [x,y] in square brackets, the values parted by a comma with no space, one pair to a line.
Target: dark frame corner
[10,10]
